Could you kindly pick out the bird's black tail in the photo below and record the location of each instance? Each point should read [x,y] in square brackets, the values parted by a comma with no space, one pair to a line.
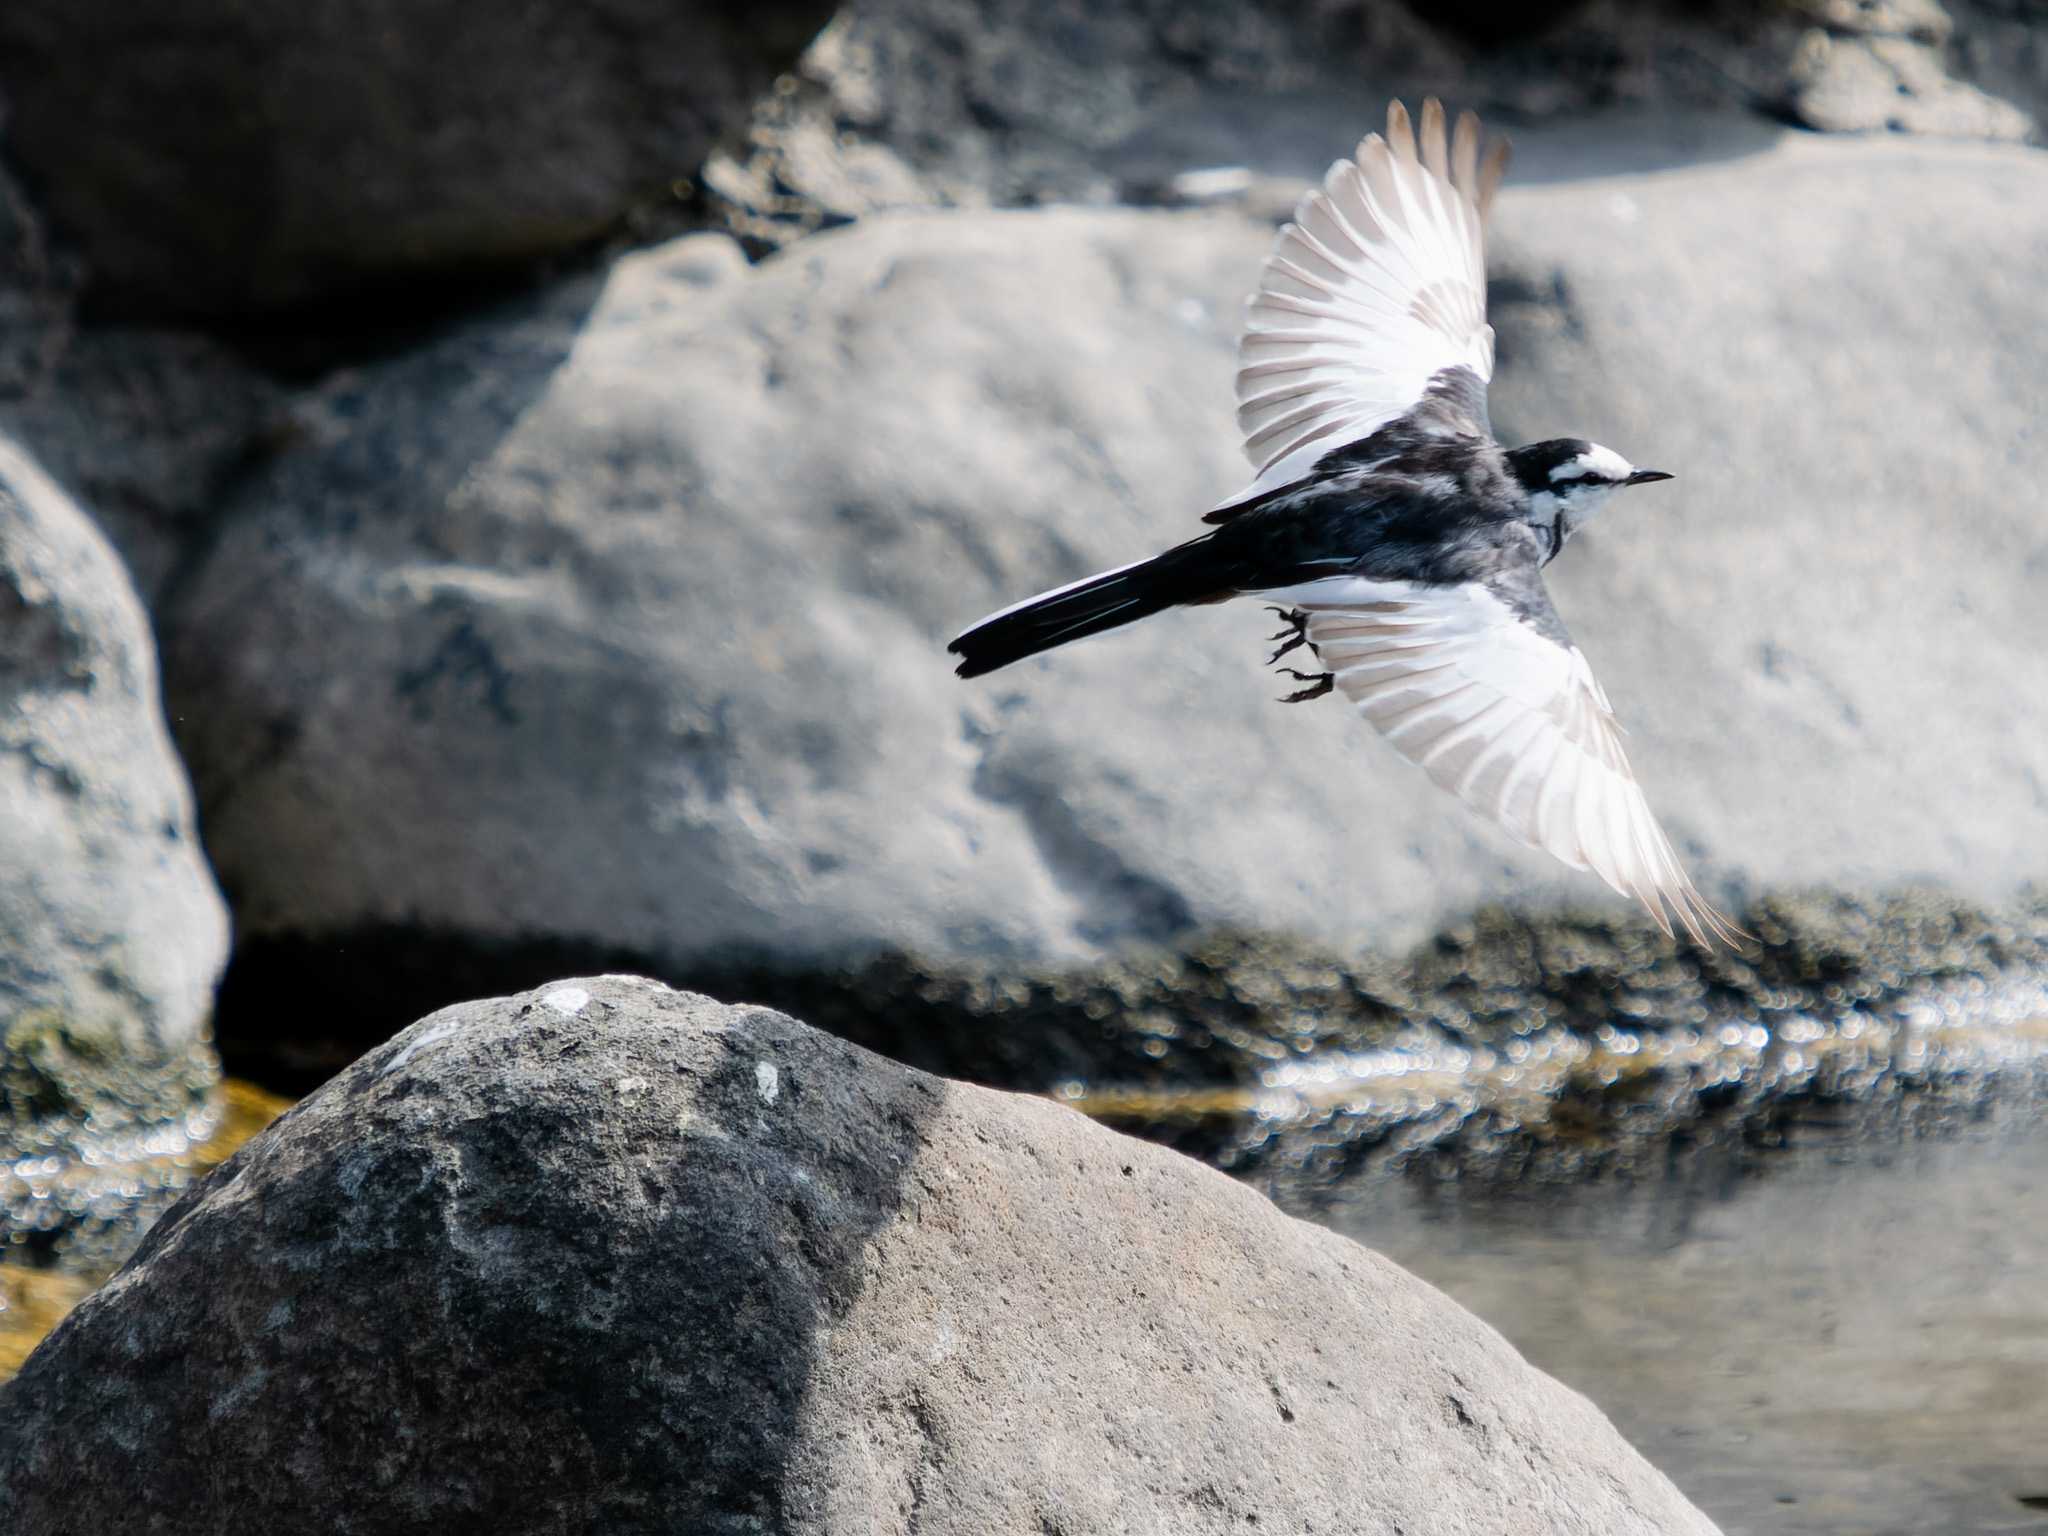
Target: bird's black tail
[1190,573]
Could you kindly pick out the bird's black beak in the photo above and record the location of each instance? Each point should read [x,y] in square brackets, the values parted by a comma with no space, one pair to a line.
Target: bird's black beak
[1645,476]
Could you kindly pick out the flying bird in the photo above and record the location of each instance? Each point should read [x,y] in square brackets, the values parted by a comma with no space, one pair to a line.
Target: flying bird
[1401,544]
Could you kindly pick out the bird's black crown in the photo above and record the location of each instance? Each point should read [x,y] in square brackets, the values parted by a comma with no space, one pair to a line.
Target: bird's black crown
[1533,463]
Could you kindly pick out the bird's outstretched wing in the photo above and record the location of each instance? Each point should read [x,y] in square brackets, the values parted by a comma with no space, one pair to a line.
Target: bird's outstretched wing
[1376,288]
[1479,683]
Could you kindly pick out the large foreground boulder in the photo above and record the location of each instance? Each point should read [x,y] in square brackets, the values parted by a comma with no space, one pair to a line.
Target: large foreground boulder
[610,1257]
[620,620]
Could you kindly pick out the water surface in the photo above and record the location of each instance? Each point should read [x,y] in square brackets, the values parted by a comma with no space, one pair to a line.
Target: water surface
[1854,1342]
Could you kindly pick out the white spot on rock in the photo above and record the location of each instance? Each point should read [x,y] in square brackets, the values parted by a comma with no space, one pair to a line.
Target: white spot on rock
[630,1084]
[567,1001]
[767,1081]
[433,1036]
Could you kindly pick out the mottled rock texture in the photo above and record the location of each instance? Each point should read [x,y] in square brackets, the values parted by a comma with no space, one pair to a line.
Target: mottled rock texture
[112,933]
[111,930]
[906,103]
[146,425]
[606,1256]
[223,156]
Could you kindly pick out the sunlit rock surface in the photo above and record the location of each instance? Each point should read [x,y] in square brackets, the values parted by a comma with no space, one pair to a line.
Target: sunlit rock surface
[112,934]
[907,103]
[618,619]
[721,1272]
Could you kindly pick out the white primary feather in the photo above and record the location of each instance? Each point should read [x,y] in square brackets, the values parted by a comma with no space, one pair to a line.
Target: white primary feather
[1510,721]
[1377,285]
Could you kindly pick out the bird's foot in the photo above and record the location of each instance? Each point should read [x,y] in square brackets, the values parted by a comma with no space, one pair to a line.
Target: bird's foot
[1320,683]
[1296,632]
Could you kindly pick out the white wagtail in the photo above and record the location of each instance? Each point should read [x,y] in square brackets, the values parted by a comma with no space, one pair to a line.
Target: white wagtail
[1403,545]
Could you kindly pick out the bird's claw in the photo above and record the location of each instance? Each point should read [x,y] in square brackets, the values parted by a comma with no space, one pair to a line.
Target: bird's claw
[1296,632]
[1320,683]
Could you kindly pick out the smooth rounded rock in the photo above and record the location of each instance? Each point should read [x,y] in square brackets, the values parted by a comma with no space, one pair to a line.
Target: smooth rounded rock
[619,620]
[112,933]
[607,1256]
[1816,633]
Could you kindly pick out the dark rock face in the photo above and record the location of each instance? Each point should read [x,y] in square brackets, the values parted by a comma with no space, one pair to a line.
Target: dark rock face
[146,426]
[605,1256]
[226,156]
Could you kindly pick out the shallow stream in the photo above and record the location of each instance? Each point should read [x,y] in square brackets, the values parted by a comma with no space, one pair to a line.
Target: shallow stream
[1852,1342]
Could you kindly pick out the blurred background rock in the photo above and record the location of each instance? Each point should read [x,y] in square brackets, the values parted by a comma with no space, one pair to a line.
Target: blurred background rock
[550,444]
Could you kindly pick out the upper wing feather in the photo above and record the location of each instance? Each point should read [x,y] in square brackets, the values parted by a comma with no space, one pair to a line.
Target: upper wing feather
[1377,286]
[1501,709]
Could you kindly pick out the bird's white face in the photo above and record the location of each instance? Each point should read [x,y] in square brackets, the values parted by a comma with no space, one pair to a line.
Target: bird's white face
[1580,486]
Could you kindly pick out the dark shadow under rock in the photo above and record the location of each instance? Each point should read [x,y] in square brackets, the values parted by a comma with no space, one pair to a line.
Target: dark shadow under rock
[1512,1047]
[223,160]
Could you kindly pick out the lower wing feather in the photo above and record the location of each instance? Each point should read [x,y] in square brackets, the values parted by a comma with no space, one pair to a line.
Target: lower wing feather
[1504,713]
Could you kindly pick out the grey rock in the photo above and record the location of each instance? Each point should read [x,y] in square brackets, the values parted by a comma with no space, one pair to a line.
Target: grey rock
[620,620]
[112,934]
[661,573]
[1821,637]
[150,427]
[109,917]
[606,1256]
[225,156]
[34,291]
[146,425]
[908,103]
[1896,84]
[969,103]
